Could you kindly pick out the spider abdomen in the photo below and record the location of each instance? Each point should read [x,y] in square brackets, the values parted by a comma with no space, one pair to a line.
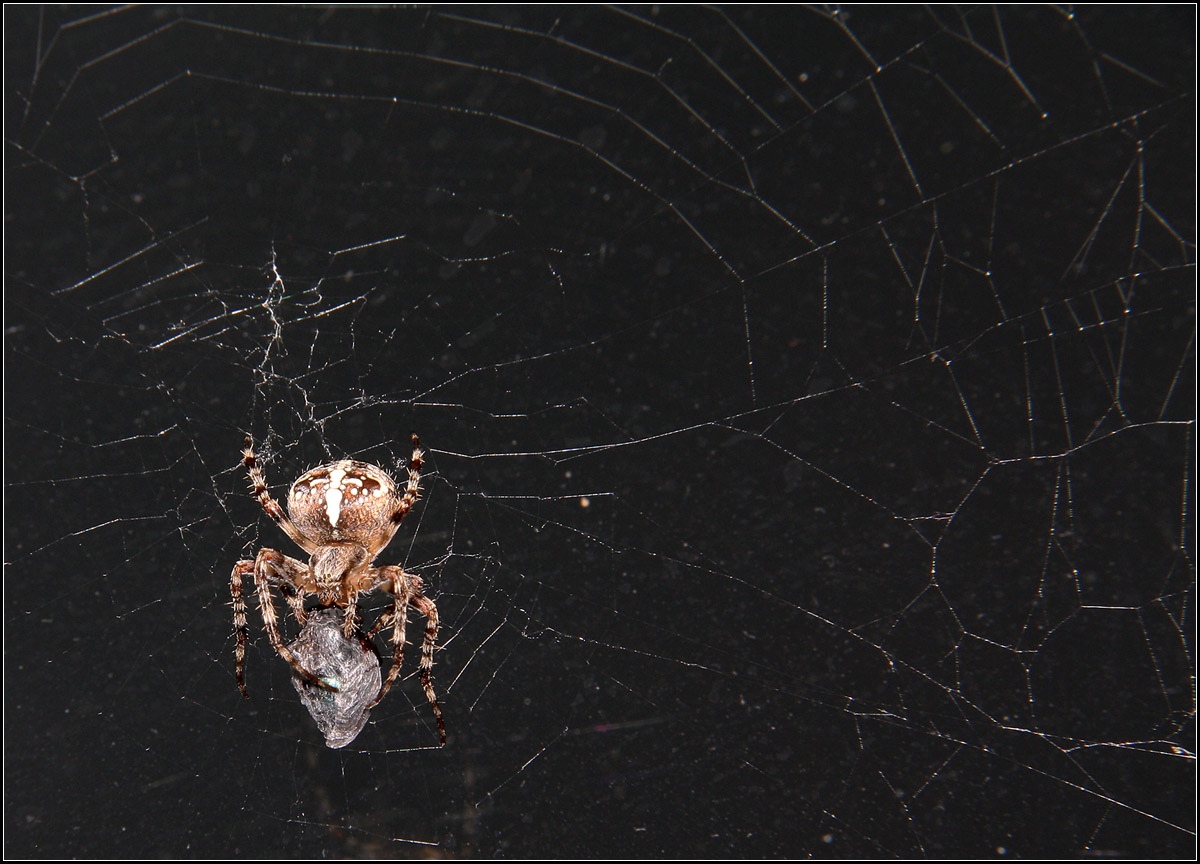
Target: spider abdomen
[343,500]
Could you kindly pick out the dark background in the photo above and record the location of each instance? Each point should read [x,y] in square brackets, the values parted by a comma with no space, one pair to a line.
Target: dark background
[809,405]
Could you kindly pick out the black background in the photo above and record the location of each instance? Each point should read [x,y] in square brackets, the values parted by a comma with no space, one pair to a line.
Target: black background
[809,402]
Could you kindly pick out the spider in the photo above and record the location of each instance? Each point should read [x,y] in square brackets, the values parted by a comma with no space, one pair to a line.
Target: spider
[342,514]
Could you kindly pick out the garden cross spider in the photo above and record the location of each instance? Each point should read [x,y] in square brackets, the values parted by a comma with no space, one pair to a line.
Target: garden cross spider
[342,514]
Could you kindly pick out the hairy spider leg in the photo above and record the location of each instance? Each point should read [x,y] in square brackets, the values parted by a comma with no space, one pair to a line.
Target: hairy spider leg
[258,484]
[406,589]
[399,620]
[268,560]
[412,489]
[240,569]
[425,607]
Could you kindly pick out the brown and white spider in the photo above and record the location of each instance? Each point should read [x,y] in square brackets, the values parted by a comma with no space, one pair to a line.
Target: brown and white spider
[342,514]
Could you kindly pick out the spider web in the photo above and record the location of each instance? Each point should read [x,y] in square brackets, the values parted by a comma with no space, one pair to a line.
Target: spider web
[808,398]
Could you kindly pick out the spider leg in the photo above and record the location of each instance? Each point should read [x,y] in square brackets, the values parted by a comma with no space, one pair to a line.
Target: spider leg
[425,607]
[258,484]
[240,569]
[398,616]
[295,599]
[270,560]
[407,590]
[384,620]
[351,615]
[412,489]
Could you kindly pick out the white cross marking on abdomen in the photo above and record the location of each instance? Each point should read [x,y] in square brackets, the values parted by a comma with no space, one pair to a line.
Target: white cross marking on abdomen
[333,496]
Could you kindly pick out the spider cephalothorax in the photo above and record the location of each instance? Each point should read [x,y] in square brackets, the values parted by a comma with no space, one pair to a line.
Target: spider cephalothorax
[342,514]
